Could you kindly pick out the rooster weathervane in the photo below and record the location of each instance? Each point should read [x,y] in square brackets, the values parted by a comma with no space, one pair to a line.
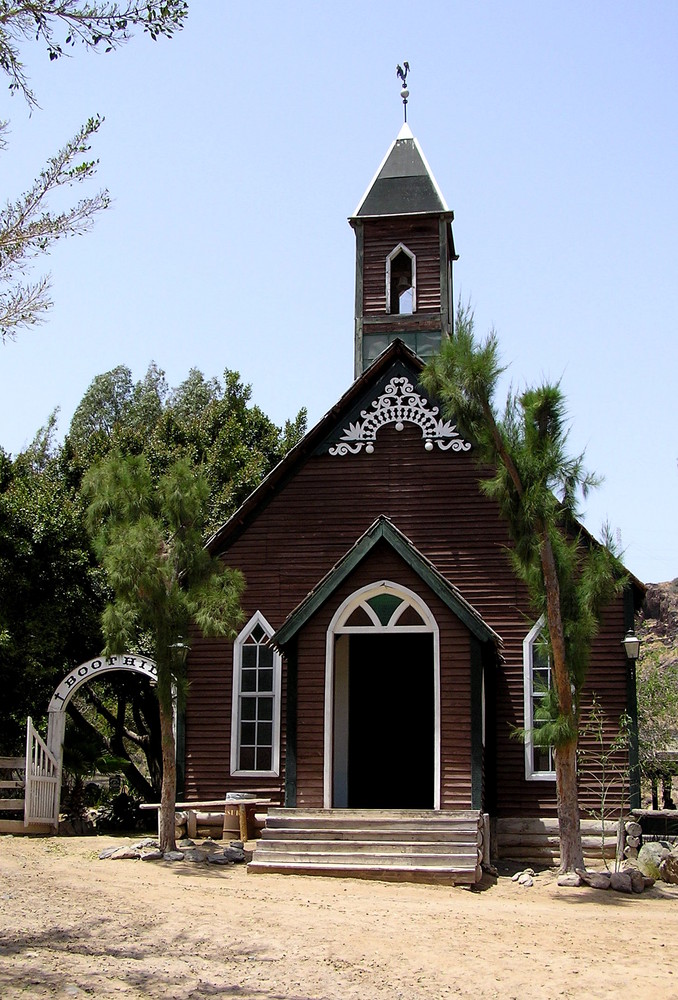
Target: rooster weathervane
[401,73]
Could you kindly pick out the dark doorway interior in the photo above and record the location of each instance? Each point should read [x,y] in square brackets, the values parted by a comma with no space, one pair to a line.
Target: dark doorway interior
[390,721]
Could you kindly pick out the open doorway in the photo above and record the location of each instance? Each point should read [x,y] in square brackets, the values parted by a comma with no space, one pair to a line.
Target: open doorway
[390,722]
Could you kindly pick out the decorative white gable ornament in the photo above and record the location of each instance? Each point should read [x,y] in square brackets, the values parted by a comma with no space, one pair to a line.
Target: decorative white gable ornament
[399,404]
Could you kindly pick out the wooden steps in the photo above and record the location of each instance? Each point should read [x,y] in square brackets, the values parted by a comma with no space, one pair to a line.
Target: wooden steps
[402,844]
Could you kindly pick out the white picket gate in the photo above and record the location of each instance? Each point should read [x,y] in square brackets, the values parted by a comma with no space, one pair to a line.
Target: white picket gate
[43,775]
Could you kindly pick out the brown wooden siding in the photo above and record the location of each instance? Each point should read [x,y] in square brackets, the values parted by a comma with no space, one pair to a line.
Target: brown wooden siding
[423,240]
[433,498]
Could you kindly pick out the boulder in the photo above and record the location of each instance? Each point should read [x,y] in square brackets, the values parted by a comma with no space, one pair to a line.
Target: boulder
[195,854]
[637,880]
[570,880]
[210,846]
[173,856]
[237,854]
[152,855]
[668,869]
[650,856]
[597,880]
[219,859]
[621,882]
[123,853]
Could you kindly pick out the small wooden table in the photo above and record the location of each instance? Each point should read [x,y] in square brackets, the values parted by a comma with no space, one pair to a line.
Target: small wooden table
[194,807]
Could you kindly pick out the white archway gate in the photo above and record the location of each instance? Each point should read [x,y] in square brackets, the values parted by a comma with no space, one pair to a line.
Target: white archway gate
[44,760]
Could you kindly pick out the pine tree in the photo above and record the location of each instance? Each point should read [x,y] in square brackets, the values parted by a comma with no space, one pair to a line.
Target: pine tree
[149,537]
[536,486]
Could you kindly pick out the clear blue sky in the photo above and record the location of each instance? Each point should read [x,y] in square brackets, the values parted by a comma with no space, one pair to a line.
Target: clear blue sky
[235,153]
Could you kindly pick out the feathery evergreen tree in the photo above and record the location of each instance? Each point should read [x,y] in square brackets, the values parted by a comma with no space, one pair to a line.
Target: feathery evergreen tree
[536,486]
[148,535]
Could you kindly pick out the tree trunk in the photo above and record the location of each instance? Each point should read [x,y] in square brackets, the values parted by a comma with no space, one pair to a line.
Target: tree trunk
[168,797]
[571,853]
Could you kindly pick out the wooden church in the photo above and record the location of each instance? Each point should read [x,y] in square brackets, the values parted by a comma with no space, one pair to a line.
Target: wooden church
[388,650]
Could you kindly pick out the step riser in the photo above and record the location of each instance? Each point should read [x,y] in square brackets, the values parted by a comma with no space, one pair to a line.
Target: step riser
[334,823]
[458,861]
[447,842]
[384,874]
[366,846]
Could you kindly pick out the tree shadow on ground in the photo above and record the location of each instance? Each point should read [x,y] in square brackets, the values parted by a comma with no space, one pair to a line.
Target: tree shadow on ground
[28,965]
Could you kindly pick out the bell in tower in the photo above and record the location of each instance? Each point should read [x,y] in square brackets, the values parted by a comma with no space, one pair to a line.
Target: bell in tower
[404,254]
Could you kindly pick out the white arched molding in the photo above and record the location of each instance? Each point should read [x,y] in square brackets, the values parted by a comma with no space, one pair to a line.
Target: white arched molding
[539,764]
[255,713]
[340,626]
[401,248]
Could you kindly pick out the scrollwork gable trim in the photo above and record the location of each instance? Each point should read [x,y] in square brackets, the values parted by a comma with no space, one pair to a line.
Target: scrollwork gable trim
[399,404]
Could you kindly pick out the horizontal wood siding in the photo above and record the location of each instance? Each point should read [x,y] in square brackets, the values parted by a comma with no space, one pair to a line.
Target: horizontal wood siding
[423,240]
[308,525]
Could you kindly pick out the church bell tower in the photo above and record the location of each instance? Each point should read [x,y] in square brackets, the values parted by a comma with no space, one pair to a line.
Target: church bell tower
[404,255]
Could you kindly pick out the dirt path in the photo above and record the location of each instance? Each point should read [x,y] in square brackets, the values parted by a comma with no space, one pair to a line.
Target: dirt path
[74,926]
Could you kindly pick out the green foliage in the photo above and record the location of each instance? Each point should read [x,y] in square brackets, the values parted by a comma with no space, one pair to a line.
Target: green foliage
[50,588]
[657,685]
[27,226]
[210,424]
[149,538]
[101,25]
[53,590]
[537,487]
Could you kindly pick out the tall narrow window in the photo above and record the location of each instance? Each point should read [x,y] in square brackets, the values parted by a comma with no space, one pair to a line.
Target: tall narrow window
[539,761]
[255,729]
[401,281]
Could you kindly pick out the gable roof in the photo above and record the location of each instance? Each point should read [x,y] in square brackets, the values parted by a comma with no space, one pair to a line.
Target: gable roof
[395,354]
[384,529]
[403,184]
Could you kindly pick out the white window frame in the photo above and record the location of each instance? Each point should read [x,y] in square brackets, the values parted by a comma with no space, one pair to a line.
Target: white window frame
[389,260]
[529,643]
[256,619]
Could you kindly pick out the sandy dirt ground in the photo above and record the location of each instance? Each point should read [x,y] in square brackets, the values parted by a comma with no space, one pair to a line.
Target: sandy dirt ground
[74,926]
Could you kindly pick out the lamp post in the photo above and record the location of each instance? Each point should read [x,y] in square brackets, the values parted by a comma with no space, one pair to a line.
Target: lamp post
[180,651]
[631,644]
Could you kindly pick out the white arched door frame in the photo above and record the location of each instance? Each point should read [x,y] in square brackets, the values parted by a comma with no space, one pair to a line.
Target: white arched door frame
[337,627]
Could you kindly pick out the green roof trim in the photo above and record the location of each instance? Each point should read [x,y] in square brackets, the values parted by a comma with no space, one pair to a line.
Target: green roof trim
[384,530]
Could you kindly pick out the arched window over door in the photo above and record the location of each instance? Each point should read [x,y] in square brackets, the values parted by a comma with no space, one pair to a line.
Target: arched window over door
[382,702]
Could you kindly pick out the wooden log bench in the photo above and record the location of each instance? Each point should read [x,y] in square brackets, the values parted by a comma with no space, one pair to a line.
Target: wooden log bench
[224,807]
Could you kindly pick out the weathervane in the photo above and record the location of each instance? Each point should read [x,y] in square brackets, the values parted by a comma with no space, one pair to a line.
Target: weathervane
[401,73]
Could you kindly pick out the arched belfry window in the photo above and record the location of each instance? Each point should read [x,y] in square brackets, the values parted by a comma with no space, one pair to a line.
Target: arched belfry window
[401,281]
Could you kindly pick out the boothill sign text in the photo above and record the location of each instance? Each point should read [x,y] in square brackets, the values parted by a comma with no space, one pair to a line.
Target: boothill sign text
[85,672]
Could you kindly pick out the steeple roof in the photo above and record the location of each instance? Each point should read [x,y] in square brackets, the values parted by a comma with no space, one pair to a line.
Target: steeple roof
[403,184]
